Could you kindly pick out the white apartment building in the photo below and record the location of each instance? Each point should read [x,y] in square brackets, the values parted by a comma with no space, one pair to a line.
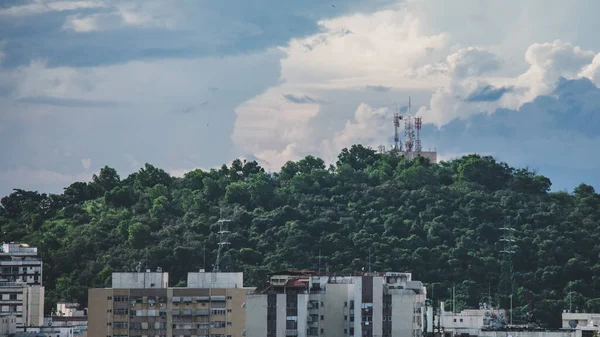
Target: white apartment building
[301,303]
[20,263]
[24,301]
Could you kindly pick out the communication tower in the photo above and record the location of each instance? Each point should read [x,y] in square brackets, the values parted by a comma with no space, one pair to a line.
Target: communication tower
[397,141]
[223,243]
[418,147]
[409,132]
[507,283]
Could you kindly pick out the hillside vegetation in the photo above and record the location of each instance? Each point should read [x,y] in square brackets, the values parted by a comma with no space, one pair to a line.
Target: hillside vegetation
[439,221]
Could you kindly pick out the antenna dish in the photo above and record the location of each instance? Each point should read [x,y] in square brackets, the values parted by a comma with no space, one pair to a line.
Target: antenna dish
[572,324]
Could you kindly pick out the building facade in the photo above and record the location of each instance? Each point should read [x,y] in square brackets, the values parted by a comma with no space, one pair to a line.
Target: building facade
[21,290]
[216,310]
[24,301]
[304,304]
[8,324]
[20,263]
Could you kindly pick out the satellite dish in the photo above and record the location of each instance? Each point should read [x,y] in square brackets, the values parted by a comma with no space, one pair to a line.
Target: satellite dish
[572,324]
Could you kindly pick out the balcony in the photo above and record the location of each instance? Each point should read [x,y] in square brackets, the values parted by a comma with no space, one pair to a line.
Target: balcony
[291,332]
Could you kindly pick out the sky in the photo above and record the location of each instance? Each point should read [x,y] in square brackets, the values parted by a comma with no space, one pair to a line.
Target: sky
[195,84]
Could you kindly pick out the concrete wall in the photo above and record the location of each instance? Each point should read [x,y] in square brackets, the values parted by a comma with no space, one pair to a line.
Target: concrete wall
[281,315]
[8,325]
[140,280]
[302,314]
[333,310]
[33,308]
[357,297]
[99,317]
[378,306]
[215,280]
[403,313]
[256,315]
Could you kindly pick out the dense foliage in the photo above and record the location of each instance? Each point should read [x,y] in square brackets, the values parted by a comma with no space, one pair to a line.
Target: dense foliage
[439,221]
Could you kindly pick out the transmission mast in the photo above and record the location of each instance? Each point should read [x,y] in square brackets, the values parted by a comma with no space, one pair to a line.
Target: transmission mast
[397,141]
[507,278]
[418,124]
[409,132]
[223,242]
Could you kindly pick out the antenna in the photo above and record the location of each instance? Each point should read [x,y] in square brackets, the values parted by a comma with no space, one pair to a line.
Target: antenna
[418,125]
[409,133]
[223,241]
[507,266]
[397,142]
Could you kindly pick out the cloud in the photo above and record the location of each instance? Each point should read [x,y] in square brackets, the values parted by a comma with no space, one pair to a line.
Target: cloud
[76,116]
[488,93]
[554,133]
[45,6]
[180,172]
[68,102]
[38,179]
[300,99]
[378,88]
[89,33]
[86,163]
[547,63]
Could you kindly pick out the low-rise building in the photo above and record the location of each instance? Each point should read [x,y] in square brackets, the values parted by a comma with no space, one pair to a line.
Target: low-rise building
[469,321]
[306,304]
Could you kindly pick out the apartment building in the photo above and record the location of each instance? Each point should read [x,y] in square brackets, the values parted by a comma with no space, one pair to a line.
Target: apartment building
[306,304]
[24,301]
[142,304]
[21,290]
[20,263]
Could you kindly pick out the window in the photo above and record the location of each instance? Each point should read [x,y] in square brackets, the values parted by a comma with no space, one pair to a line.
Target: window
[345,304]
[109,298]
[461,320]
[228,310]
[228,323]
[229,297]
[322,317]
[345,317]
[322,330]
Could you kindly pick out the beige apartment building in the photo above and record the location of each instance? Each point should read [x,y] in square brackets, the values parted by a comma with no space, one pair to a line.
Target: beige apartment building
[144,305]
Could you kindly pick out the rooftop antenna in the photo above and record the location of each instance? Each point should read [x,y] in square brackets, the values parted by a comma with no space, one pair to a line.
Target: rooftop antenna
[397,142]
[223,241]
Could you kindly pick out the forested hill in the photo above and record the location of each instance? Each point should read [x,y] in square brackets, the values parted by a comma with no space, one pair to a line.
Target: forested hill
[439,221]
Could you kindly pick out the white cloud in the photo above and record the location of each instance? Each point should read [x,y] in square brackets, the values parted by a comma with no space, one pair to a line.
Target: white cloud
[86,163]
[361,49]
[32,178]
[45,6]
[547,63]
